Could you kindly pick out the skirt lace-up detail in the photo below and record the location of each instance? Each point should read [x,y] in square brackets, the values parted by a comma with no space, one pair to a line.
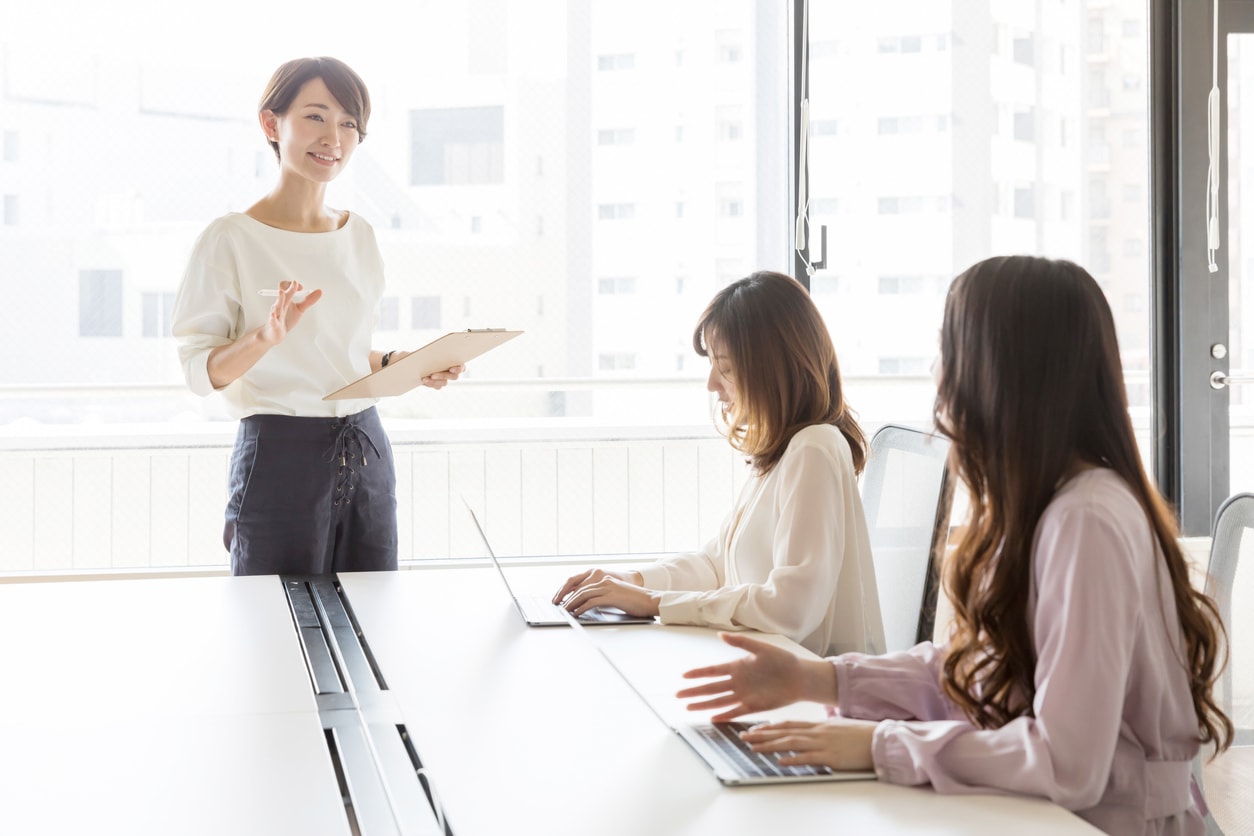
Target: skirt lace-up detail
[350,451]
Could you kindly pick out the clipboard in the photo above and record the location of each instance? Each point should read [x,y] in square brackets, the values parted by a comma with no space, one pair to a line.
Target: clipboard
[399,376]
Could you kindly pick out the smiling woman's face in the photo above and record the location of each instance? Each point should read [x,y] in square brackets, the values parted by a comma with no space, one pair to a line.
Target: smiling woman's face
[316,136]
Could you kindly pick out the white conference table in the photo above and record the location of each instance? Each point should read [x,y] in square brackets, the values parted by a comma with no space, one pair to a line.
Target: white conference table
[185,706]
[530,730]
[177,706]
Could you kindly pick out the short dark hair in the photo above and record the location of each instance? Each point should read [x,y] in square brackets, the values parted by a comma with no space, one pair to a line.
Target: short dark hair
[347,87]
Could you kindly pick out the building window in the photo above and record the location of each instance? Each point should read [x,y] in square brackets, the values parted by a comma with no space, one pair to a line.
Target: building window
[904,365]
[824,127]
[615,211]
[730,202]
[12,148]
[1025,51]
[902,285]
[11,210]
[730,46]
[457,146]
[616,136]
[389,314]
[425,312]
[616,362]
[616,286]
[1095,37]
[913,204]
[1025,202]
[1025,126]
[157,308]
[620,61]
[100,303]
[730,123]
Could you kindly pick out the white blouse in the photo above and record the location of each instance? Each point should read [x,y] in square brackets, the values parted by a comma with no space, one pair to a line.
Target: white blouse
[236,257]
[793,557]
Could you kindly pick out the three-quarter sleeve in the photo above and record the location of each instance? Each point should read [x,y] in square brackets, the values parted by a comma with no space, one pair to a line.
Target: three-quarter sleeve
[206,309]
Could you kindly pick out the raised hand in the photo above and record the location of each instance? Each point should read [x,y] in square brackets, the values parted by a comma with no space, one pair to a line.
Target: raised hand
[286,312]
[768,677]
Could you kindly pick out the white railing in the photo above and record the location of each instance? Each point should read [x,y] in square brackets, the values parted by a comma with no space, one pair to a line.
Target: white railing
[153,497]
[84,498]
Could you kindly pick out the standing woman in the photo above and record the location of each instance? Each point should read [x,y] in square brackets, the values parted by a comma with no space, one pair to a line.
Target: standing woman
[1080,661]
[312,483]
[793,557]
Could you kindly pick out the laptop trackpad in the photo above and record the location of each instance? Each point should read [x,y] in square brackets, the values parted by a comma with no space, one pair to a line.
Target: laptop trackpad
[608,615]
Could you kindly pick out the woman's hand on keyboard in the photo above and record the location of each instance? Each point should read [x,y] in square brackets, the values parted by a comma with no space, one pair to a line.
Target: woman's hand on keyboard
[592,576]
[599,588]
[837,743]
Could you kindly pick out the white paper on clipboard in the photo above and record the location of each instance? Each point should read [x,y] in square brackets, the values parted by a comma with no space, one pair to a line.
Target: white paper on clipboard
[399,376]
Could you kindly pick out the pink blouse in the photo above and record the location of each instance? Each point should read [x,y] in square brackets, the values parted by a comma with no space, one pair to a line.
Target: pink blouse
[1113,730]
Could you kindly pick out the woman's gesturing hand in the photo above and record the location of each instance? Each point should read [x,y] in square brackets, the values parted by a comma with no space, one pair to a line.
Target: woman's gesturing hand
[286,312]
[769,677]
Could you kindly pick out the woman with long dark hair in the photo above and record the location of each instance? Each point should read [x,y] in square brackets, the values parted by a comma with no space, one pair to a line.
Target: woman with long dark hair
[1080,661]
[793,556]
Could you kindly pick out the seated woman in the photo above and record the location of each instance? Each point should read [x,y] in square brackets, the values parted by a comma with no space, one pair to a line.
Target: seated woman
[793,556]
[1080,660]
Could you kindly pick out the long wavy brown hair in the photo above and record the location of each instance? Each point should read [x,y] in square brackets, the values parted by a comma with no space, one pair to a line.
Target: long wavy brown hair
[783,363]
[1031,384]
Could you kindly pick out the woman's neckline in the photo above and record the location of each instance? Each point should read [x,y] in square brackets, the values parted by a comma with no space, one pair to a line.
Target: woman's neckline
[345,215]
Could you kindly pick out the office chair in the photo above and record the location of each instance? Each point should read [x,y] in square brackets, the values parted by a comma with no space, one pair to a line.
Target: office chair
[907,494]
[1228,777]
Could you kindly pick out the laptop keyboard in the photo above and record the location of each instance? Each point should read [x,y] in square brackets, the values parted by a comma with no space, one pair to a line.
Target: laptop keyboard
[725,737]
[541,609]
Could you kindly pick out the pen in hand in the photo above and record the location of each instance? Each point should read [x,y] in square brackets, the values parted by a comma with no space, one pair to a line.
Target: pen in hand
[274,292]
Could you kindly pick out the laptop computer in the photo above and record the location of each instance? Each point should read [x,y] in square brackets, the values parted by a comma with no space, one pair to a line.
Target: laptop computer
[538,611]
[718,744]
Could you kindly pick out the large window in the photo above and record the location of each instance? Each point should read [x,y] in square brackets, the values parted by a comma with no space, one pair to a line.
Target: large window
[584,153]
[969,131]
[588,172]
[458,146]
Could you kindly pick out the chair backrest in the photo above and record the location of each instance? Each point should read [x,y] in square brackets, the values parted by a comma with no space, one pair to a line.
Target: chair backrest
[1233,520]
[907,494]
